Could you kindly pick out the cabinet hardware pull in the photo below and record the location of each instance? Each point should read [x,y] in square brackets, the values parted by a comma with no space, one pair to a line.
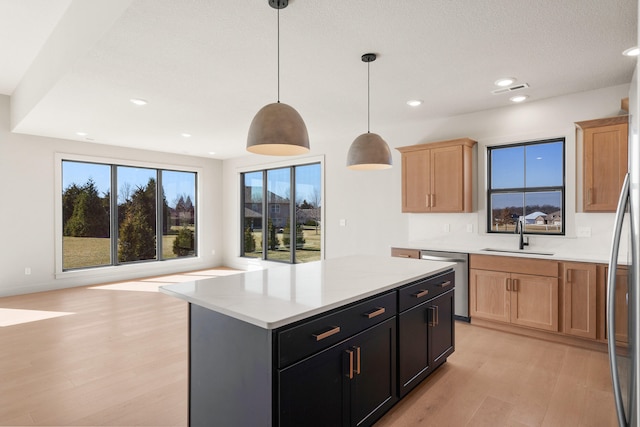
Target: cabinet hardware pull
[589,196]
[437,315]
[506,282]
[445,284]
[515,285]
[357,368]
[403,256]
[350,370]
[375,312]
[432,321]
[427,200]
[322,335]
[432,198]
[421,293]
[569,275]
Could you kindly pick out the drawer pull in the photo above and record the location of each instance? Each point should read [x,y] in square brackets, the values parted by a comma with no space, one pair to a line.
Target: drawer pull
[421,293]
[375,312]
[322,335]
[445,284]
[403,256]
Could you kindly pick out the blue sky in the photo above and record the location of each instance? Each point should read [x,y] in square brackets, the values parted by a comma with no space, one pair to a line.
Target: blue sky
[174,183]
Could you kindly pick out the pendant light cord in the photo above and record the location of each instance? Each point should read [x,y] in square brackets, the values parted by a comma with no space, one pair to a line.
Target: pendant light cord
[278,55]
[368,98]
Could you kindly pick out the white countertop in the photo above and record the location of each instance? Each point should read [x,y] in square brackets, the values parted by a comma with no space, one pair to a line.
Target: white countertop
[279,296]
[577,250]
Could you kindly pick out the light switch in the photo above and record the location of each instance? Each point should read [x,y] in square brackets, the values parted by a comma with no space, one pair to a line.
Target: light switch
[343,222]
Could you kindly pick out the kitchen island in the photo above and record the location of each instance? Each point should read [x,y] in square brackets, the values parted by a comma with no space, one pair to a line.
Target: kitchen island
[318,342]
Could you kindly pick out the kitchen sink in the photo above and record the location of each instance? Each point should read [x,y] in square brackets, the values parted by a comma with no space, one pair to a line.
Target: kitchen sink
[521,252]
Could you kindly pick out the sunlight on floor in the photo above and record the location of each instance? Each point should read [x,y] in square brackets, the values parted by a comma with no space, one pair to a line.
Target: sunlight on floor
[152,284]
[13,316]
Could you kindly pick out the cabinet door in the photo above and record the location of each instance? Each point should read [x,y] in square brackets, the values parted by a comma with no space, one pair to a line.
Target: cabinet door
[373,388]
[580,299]
[622,305]
[315,391]
[413,347]
[415,181]
[442,329]
[447,176]
[489,296]
[605,164]
[534,301]
[351,383]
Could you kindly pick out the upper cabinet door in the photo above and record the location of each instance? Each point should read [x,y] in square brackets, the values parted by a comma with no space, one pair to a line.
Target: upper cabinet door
[447,187]
[416,185]
[605,162]
[438,176]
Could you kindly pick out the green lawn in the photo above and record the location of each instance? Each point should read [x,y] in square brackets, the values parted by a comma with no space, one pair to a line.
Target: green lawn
[81,252]
[310,251]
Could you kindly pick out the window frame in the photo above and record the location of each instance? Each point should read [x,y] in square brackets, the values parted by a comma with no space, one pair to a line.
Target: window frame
[527,190]
[113,163]
[263,169]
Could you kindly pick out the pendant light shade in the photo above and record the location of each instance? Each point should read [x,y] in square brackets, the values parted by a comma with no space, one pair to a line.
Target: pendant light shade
[277,129]
[369,151]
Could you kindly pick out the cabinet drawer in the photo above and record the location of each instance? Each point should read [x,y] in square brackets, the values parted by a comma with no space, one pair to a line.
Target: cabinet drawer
[405,253]
[423,290]
[302,340]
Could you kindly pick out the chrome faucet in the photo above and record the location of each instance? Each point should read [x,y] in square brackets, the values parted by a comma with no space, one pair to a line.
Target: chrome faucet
[520,230]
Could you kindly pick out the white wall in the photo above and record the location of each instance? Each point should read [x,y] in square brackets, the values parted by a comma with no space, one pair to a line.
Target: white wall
[27,171]
[370,202]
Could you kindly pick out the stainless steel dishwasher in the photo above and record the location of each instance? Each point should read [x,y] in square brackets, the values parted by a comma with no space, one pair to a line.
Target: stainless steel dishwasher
[461,309]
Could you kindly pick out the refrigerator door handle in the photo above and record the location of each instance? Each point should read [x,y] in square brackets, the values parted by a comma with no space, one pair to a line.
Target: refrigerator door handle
[611,300]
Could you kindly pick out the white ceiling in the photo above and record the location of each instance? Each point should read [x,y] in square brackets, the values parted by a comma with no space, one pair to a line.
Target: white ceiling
[207,66]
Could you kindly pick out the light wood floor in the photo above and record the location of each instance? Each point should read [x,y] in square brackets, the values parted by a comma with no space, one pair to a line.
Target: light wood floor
[121,360]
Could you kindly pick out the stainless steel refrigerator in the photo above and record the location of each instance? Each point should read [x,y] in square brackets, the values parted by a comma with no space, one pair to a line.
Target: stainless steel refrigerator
[624,361]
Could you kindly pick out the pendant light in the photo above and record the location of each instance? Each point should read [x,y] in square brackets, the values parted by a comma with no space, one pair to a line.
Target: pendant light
[277,129]
[369,151]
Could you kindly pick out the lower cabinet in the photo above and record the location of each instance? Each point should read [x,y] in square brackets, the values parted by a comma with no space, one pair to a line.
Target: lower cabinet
[426,339]
[579,299]
[517,291]
[349,384]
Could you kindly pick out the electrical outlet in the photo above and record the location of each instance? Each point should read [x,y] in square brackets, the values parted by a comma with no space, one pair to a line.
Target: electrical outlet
[446,228]
[27,271]
[469,228]
[343,223]
[583,231]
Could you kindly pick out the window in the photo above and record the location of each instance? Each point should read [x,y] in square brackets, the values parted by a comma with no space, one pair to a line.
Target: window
[526,182]
[149,214]
[282,196]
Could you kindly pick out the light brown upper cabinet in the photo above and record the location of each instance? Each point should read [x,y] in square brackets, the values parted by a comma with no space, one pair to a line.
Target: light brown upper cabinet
[604,161]
[438,176]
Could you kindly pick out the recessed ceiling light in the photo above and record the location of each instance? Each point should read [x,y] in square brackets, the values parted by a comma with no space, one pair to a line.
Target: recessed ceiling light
[211,153]
[186,135]
[505,81]
[82,133]
[414,102]
[518,98]
[632,51]
[138,101]
[538,158]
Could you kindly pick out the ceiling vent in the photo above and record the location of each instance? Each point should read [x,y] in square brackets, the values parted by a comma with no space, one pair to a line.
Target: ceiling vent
[510,89]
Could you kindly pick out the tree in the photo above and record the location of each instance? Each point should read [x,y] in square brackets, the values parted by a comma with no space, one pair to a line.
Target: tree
[88,217]
[249,240]
[286,235]
[273,241]
[137,236]
[184,242]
